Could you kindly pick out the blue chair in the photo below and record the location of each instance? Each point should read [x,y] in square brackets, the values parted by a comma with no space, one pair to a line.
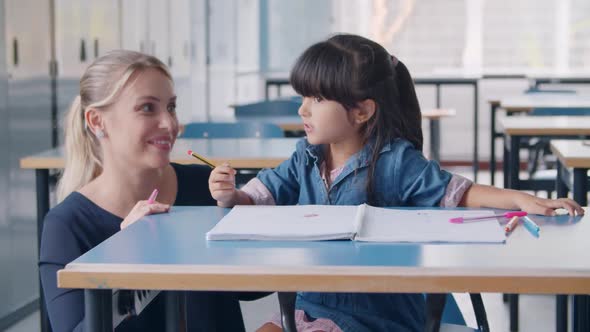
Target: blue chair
[451,318]
[277,107]
[231,130]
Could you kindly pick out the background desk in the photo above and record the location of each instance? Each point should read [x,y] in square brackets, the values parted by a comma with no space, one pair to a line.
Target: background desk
[516,128]
[169,252]
[574,154]
[526,103]
[538,80]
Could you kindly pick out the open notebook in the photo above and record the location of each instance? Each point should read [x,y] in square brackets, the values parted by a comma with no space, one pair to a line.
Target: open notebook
[358,223]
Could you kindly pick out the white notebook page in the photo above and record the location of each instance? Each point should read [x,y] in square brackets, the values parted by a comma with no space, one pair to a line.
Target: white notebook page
[425,226]
[299,222]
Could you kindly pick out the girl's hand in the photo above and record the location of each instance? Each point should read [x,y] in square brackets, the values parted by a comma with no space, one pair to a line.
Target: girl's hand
[222,184]
[543,206]
[142,209]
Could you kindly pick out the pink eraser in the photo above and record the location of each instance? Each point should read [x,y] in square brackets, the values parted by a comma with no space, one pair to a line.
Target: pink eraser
[457,220]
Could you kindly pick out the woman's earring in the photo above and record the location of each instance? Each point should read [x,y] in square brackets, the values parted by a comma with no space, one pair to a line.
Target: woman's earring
[99,133]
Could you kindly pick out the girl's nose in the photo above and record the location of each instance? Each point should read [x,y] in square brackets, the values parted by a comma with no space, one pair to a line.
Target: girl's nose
[303,109]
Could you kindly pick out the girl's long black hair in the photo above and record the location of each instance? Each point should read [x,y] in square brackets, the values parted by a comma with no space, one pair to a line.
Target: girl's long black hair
[349,69]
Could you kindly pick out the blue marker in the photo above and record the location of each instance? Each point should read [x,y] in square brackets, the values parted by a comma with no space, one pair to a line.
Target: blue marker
[531,226]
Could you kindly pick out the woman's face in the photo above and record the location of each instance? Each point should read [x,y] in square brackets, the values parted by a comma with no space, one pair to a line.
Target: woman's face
[141,126]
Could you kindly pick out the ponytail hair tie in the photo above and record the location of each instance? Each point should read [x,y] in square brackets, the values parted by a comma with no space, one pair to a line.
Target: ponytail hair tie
[394,60]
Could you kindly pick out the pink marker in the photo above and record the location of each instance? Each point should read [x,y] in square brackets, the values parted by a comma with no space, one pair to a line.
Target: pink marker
[508,215]
[153,196]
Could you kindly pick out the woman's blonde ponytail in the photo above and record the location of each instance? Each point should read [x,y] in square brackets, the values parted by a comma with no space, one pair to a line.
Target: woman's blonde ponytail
[83,162]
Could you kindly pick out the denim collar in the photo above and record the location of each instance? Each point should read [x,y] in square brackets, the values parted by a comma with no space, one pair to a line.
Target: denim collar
[358,160]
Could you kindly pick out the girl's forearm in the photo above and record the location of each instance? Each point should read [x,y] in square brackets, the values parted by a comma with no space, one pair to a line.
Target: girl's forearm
[480,196]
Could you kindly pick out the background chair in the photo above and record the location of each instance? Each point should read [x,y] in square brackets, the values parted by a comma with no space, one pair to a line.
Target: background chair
[231,130]
[443,314]
[277,107]
[271,110]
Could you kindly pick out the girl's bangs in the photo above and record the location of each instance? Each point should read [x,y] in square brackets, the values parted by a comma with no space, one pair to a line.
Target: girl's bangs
[324,71]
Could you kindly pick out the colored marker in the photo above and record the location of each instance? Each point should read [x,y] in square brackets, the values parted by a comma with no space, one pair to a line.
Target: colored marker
[511,225]
[509,214]
[192,153]
[531,225]
[153,196]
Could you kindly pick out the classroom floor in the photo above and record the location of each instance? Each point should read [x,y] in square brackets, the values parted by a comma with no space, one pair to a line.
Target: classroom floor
[539,315]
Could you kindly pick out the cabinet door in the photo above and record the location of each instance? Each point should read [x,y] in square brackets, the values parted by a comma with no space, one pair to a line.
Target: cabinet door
[180,38]
[134,25]
[27,38]
[199,97]
[26,129]
[71,34]
[104,27]
[158,26]
[222,58]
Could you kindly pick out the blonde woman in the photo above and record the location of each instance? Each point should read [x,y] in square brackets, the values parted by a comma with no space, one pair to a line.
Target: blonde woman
[119,134]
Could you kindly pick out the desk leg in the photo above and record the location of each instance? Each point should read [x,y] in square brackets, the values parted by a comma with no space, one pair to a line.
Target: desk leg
[287,304]
[435,131]
[266,87]
[581,311]
[561,313]
[506,154]
[173,311]
[580,186]
[98,308]
[476,132]
[42,188]
[560,186]
[493,109]
[514,162]
[513,303]
[435,139]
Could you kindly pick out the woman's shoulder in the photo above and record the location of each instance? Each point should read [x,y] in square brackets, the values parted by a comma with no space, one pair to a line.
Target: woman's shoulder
[74,226]
[78,212]
[67,211]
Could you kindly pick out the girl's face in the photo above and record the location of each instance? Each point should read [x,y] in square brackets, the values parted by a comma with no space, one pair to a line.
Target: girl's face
[141,126]
[326,121]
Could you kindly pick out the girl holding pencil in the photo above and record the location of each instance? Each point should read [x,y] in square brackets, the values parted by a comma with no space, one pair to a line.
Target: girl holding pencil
[363,145]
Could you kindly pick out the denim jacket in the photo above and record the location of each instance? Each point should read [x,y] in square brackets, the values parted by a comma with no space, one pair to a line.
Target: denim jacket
[403,177]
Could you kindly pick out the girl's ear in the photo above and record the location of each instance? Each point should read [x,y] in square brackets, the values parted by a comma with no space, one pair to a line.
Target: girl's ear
[365,111]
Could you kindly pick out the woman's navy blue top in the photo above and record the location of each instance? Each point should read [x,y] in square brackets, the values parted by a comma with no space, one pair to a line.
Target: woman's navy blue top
[77,225]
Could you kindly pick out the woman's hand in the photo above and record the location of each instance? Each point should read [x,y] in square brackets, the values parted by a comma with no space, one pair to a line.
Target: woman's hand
[142,209]
[222,184]
[543,206]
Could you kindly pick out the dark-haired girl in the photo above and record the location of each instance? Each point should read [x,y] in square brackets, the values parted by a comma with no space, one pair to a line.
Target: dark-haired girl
[363,145]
